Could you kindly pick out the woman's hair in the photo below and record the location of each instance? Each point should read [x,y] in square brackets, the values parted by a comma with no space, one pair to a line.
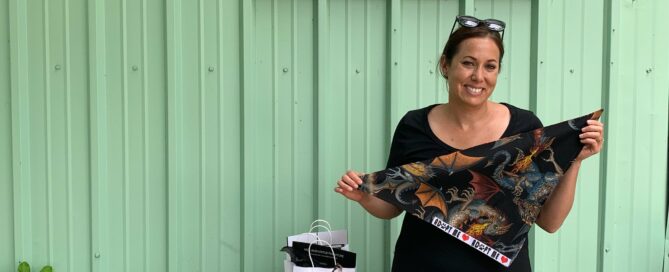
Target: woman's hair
[463,33]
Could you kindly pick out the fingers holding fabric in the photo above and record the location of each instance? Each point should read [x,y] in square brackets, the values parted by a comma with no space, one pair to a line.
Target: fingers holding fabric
[593,139]
[348,185]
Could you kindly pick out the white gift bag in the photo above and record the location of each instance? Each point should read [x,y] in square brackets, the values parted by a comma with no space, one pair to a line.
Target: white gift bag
[292,267]
[337,239]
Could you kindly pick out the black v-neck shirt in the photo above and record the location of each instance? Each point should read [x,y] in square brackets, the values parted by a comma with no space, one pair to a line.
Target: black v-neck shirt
[421,246]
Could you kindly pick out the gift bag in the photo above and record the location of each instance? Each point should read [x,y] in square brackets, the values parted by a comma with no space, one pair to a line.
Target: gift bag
[337,238]
[319,251]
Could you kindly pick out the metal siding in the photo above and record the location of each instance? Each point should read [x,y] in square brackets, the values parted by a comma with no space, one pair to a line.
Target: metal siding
[49,115]
[154,107]
[229,116]
[636,177]
[423,31]
[260,208]
[211,131]
[666,245]
[174,112]
[352,119]
[98,137]
[513,82]
[6,187]
[571,60]
[279,128]
[197,235]
[127,135]
[20,129]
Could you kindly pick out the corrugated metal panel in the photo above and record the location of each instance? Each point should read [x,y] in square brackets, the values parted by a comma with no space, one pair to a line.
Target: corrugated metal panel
[279,128]
[513,83]
[204,126]
[569,72]
[19,133]
[666,245]
[636,177]
[423,29]
[352,115]
[230,134]
[209,137]
[50,126]
[6,188]
[129,106]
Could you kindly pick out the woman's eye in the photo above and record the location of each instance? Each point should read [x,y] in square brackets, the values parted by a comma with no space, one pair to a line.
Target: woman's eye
[468,63]
[491,67]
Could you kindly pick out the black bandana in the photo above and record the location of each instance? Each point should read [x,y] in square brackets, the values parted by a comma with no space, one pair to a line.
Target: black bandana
[487,196]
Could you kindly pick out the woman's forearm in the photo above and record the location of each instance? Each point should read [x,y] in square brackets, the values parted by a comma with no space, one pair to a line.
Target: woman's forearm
[558,205]
[379,208]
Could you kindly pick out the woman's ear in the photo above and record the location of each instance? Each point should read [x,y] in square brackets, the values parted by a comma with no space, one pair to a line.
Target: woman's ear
[443,68]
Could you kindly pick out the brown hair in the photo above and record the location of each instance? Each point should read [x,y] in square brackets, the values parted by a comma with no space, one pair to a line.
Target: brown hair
[462,33]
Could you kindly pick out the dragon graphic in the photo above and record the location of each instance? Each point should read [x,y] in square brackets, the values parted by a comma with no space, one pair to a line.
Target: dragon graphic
[473,214]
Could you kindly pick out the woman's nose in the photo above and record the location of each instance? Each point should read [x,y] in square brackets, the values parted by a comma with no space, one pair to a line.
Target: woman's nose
[477,74]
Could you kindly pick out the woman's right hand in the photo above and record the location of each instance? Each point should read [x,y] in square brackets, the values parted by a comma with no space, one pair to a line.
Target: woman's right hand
[348,186]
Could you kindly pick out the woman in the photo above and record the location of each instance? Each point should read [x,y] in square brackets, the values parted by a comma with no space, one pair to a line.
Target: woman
[470,63]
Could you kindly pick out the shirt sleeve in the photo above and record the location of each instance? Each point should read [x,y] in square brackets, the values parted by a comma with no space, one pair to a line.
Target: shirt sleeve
[396,147]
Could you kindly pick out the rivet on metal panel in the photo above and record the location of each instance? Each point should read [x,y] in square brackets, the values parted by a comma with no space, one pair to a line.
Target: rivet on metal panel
[357,71]
[135,68]
[57,67]
[541,62]
[613,30]
[285,70]
[431,72]
[394,29]
[606,250]
[97,255]
[571,71]
[649,70]
[395,63]
[211,68]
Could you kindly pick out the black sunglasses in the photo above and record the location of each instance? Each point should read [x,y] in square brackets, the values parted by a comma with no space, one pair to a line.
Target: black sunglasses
[469,21]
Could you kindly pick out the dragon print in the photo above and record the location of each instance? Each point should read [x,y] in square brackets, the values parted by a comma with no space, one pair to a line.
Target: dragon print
[475,217]
[487,196]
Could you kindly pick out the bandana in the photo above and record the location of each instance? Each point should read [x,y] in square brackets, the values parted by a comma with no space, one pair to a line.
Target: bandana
[487,196]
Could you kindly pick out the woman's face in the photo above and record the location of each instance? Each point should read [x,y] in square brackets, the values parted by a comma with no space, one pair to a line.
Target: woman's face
[472,73]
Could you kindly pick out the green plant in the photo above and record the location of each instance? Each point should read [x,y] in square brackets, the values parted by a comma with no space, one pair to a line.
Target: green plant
[25,267]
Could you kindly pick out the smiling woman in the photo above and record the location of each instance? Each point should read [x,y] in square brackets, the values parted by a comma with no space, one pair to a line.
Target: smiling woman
[470,62]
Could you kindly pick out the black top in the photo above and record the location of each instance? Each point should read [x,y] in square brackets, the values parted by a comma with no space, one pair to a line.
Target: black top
[421,246]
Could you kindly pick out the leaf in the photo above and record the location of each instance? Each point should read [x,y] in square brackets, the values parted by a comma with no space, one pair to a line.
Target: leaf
[24,267]
[47,268]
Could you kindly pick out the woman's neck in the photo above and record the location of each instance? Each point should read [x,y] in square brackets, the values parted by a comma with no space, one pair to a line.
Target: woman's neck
[466,117]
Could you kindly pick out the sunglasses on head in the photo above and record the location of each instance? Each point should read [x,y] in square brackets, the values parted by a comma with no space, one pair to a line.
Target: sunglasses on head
[469,21]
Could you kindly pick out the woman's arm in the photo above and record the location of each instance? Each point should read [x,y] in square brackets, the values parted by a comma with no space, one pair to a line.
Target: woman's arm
[348,187]
[558,205]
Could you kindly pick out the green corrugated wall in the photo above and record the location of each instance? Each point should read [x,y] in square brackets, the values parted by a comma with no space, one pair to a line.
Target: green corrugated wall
[196,135]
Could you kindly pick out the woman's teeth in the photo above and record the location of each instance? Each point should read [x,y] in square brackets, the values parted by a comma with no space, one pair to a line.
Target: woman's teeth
[474,91]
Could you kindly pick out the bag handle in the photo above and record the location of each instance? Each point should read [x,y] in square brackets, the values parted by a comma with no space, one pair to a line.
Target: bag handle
[334,257]
[320,220]
[328,227]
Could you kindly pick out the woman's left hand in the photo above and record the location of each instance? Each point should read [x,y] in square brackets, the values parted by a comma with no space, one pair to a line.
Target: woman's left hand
[593,139]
